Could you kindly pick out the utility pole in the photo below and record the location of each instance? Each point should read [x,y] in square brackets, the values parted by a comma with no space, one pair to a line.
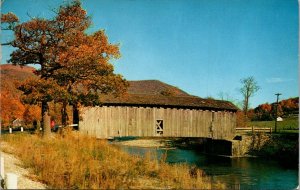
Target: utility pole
[276,108]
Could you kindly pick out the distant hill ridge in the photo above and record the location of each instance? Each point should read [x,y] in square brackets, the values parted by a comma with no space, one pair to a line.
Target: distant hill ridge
[144,92]
[16,72]
[154,87]
[11,74]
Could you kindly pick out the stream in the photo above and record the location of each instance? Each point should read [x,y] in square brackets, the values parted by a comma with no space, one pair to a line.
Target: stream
[236,173]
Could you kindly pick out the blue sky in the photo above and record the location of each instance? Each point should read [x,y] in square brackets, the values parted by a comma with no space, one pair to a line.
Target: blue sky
[201,46]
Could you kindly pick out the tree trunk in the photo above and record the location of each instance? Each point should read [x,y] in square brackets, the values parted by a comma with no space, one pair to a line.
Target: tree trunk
[246,104]
[75,116]
[46,120]
[246,107]
[64,114]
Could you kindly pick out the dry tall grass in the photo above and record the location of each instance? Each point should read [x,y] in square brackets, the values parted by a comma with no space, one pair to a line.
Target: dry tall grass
[76,161]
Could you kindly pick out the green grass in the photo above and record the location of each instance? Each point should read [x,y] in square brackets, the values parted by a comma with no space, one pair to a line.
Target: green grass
[288,125]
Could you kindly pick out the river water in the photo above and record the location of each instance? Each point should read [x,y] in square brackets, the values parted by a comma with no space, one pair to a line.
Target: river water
[236,173]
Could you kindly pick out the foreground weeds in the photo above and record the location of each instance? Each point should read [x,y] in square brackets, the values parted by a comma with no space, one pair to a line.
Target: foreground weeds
[75,161]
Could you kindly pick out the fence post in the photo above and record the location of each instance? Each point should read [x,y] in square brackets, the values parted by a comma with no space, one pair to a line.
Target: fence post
[252,129]
[10,130]
[11,181]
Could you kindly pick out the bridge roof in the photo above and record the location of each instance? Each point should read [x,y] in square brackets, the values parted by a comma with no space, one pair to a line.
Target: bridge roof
[191,102]
[154,93]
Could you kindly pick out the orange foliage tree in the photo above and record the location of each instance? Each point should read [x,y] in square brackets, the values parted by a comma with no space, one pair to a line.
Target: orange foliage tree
[286,107]
[31,113]
[290,105]
[31,40]
[74,65]
[263,112]
[86,72]
[11,108]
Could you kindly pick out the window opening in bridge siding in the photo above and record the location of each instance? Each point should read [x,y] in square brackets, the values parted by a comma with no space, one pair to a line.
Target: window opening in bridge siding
[159,127]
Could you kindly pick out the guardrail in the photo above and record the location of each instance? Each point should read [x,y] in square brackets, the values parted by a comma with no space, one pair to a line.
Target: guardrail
[254,129]
[71,125]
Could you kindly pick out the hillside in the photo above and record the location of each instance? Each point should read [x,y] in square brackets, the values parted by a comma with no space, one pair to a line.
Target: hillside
[154,87]
[11,75]
[11,106]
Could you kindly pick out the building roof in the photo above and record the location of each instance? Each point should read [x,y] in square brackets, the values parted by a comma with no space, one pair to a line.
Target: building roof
[152,93]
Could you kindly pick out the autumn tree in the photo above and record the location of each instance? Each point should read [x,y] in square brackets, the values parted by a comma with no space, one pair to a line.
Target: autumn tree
[8,22]
[290,105]
[39,41]
[34,41]
[11,108]
[72,63]
[85,70]
[263,112]
[31,114]
[39,91]
[248,89]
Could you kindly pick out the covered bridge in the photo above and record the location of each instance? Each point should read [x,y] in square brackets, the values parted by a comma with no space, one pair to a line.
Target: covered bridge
[154,109]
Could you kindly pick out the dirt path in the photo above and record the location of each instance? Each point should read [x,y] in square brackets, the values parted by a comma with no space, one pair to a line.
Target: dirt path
[13,165]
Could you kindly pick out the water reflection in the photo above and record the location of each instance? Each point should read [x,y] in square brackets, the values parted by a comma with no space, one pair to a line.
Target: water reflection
[237,173]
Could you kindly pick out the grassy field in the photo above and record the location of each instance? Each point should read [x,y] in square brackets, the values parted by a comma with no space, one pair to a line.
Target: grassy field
[288,125]
[74,161]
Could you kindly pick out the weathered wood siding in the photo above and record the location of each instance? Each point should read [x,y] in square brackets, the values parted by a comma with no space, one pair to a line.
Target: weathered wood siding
[115,121]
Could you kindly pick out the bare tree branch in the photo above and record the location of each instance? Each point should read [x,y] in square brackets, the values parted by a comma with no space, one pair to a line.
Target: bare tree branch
[6,44]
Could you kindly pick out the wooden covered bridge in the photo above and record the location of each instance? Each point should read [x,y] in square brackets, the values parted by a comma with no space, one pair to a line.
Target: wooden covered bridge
[154,109]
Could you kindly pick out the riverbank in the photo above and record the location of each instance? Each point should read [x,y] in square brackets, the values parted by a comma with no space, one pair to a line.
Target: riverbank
[77,161]
[283,147]
[235,173]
